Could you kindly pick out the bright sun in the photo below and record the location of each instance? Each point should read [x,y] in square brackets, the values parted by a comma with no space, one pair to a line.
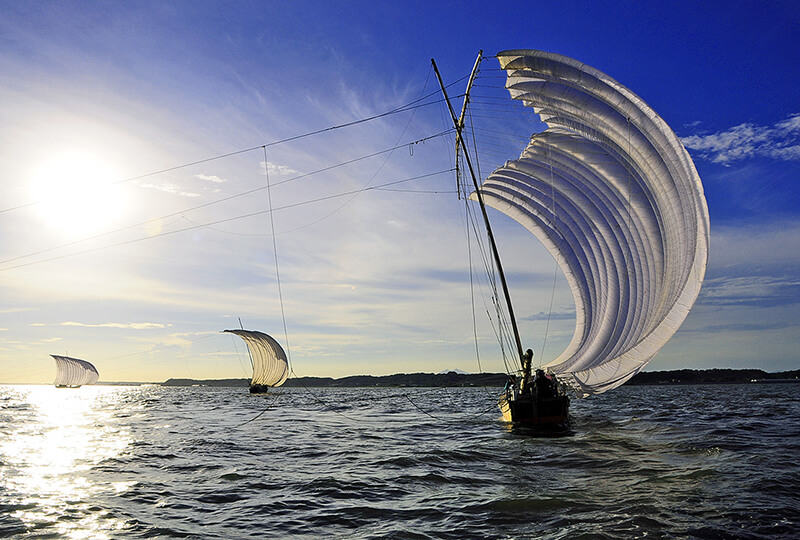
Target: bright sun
[77,194]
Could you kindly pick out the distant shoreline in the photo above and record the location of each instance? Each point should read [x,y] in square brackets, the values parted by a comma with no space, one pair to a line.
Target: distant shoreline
[453,379]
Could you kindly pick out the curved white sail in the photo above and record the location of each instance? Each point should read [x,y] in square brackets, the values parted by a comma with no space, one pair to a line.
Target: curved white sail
[614,196]
[74,372]
[270,366]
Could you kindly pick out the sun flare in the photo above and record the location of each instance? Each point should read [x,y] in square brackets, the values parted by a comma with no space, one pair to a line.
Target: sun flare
[77,193]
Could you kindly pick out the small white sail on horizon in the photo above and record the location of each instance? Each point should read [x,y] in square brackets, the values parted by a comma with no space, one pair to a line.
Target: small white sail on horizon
[74,372]
[270,364]
[614,196]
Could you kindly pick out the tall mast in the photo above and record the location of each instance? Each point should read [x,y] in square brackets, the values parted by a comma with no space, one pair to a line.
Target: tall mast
[458,123]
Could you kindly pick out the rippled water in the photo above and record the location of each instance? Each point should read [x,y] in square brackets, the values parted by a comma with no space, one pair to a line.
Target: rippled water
[147,462]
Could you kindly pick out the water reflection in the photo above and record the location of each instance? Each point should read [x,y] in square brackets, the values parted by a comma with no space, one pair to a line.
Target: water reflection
[52,438]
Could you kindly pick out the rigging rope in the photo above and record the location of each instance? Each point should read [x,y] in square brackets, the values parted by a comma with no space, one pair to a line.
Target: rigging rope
[555,270]
[381,187]
[181,212]
[502,333]
[269,406]
[275,252]
[413,105]
[291,369]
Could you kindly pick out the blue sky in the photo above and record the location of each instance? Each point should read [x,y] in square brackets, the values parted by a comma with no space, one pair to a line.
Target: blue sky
[140,274]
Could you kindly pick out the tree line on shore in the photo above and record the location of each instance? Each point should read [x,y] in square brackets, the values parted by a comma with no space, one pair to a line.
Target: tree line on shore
[454,379]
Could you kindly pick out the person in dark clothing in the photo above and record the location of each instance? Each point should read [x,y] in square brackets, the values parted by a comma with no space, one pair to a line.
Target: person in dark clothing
[544,385]
[511,383]
[526,370]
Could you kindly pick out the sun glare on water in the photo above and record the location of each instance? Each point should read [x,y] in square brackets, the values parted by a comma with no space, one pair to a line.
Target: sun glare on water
[50,454]
[77,194]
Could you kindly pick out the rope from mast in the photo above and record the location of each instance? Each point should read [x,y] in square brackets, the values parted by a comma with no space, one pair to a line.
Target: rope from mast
[458,124]
[275,252]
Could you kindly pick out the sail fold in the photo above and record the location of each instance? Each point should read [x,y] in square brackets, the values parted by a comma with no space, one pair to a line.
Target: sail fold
[270,365]
[614,196]
[74,372]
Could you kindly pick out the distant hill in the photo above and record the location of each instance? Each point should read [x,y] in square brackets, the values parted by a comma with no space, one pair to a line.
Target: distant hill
[400,379]
[454,379]
[712,376]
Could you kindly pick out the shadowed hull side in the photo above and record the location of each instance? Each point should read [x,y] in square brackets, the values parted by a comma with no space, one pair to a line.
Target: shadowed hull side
[259,389]
[546,414]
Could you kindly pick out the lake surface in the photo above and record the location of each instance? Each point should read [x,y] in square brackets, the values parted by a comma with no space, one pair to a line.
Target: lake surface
[715,462]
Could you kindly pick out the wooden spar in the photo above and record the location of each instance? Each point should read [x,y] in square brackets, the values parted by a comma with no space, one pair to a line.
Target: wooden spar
[466,100]
[458,124]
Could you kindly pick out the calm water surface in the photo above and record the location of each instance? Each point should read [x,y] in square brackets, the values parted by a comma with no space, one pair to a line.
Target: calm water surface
[710,462]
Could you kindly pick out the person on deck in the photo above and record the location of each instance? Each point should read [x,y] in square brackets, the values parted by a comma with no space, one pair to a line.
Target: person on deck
[526,370]
[544,385]
[511,386]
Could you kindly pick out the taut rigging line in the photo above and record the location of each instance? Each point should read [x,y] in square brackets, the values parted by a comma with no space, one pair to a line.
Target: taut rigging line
[199,226]
[403,108]
[211,203]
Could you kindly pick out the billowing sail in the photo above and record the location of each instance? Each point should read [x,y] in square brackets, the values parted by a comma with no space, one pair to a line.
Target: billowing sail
[74,372]
[612,193]
[270,366]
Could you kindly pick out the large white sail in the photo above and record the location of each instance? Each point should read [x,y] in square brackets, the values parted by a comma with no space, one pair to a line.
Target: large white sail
[614,196]
[270,366]
[74,372]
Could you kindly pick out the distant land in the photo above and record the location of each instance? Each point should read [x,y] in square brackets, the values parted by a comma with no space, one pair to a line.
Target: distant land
[452,378]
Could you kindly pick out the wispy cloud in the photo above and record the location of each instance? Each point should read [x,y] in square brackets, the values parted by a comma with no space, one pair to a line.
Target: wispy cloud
[741,327]
[211,178]
[554,316]
[279,170]
[780,141]
[168,187]
[765,291]
[133,326]
[174,189]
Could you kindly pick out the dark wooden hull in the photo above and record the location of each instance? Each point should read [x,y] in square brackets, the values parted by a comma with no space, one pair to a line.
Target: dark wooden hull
[549,413]
[259,388]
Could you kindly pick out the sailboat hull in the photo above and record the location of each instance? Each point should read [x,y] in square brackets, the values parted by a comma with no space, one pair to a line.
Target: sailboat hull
[259,388]
[551,413]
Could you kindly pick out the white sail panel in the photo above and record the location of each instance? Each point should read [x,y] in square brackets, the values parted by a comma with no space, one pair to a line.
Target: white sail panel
[270,365]
[614,196]
[74,372]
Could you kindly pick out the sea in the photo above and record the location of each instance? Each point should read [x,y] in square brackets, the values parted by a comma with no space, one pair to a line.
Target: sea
[697,461]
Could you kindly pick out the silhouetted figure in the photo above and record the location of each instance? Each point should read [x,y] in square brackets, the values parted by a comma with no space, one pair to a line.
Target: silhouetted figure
[526,370]
[544,386]
[511,386]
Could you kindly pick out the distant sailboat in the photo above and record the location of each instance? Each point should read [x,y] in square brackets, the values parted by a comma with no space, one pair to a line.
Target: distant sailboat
[270,365]
[614,196]
[73,372]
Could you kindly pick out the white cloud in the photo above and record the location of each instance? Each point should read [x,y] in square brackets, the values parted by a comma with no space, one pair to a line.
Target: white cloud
[280,170]
[211,178]
[134,326]
[168,187]
[781,141]
[174,189]
[766,248]
[751,290]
